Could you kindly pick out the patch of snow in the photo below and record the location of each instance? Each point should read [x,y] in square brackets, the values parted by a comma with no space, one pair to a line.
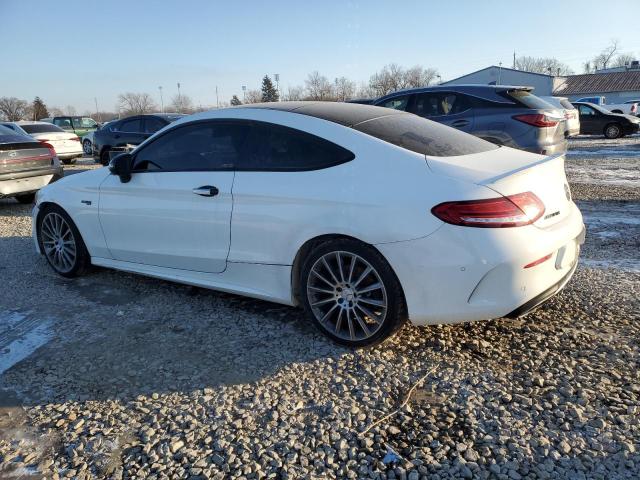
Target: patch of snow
[20,336]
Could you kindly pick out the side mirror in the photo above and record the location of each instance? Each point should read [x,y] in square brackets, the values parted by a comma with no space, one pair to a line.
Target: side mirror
[121,165]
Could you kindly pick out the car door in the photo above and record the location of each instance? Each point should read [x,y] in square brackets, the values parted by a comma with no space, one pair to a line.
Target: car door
[590,121]
[129,131]
[450,108]
[175,212]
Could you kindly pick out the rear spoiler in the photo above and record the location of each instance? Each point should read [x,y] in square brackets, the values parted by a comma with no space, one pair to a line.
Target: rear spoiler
[550,158]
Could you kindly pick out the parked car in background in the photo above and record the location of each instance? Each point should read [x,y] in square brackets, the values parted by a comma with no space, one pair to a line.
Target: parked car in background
[26,165]
[66,144]
[571,116]
[504,115]
[628,108]
[443,227]
[87,140]
[596,120]
[76,124]
[127,132]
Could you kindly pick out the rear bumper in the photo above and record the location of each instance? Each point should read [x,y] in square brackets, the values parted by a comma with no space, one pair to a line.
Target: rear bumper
[73,154]
[19,183]
[460,274]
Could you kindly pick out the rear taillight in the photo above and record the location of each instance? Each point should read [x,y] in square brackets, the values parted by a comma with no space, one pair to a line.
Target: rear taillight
[536,119]
[52,151]
[511,211]
[634,107]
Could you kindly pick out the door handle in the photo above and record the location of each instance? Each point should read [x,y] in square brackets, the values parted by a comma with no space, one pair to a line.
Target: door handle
[460,123]
[206,191]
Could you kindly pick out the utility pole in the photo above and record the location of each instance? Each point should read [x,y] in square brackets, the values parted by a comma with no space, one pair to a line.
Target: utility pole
[514,59]
[179,98]
[161,99]
[244,93]
[217,102]
[277,77]
[499,73]
[95,99]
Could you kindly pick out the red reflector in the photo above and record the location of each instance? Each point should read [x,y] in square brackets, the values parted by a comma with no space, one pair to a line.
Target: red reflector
[536,119]
[539,261]
[511,211]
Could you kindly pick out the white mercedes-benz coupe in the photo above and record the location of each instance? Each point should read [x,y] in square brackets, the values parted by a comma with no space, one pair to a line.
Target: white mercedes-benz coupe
[365,216]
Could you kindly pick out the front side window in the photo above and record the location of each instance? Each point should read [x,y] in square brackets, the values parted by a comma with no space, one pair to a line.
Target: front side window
[276,148]
[397,103]
[193,147]
[585,110]
[131,126]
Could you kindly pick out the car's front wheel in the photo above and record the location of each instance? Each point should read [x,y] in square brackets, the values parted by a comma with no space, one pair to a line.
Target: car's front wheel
[60,242]
[613,130]
[351,293]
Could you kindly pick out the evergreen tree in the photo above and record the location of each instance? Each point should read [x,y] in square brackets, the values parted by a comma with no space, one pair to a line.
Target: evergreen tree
[235,101]
[269,92]
[39,109]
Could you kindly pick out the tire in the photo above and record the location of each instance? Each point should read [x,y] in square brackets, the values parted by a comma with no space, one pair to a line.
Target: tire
[104,157]
[69,259]
[613,130]
[348,305]
[86,147]
[26,198]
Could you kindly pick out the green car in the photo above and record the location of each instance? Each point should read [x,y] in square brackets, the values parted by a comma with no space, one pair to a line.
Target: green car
[76,124]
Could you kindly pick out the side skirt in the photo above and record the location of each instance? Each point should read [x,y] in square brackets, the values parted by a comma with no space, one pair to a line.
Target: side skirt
[266,282]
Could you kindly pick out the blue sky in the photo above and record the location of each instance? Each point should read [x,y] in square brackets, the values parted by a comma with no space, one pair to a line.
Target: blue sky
[69,52]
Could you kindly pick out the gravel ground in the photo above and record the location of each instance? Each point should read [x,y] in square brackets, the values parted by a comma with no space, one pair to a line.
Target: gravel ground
[129,377]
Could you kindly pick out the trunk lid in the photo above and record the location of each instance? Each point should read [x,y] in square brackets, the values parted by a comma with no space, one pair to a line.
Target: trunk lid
[509,171]
[24,156]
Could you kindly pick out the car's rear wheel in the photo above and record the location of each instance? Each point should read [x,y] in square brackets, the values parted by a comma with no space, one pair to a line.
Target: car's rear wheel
[351,293]
[613,130]
[26,198]
[61,243]
[86,147]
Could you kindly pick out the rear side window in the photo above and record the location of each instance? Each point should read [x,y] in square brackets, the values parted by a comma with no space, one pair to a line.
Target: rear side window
[434,104]
[152,125]
[131,126]
[40,128]
[423,136]
[197,146]
[528,99]
[276,148]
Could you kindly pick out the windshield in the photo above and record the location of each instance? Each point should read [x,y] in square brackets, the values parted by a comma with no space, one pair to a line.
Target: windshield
[423,136]
[84,122]
[40,128]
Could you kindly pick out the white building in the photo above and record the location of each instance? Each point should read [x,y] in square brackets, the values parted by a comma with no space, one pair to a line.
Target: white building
[495,75]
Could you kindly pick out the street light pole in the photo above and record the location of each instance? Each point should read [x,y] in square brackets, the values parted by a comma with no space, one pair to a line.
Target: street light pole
[244,93]
[161,99]
[277,77]
[179,98]
[217,101]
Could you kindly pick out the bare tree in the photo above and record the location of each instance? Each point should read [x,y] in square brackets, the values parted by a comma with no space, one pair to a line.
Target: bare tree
[13,108]
[70,110]
[136,103]
[622,60]
[55,111]
[181,104]
[601,61]
[319,87]
[547,65]
[294,93]
[419,76]
[344,89]
[253,96]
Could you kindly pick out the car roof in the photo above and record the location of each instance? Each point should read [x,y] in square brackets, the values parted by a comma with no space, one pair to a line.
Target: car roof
[487,92]
[347,114]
